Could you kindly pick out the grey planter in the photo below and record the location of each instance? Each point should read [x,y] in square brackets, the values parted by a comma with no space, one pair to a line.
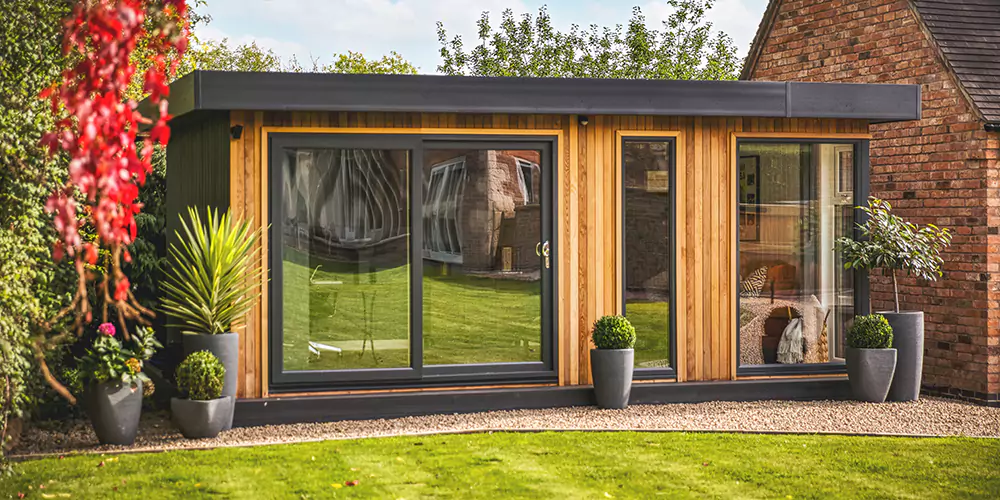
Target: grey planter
[612,369]
[114,409]
[908,339]
[201,419]
[870,372]
[226,347]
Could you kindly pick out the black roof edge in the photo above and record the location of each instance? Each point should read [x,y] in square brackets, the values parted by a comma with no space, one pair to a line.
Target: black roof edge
[220,90]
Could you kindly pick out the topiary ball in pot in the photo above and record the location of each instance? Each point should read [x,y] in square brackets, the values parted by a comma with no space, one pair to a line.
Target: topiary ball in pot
[612,361]
[614,332]
[871,362]
[205,412]
[870,332]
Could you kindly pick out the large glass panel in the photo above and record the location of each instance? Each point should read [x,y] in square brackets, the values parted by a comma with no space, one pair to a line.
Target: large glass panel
[646,170]
[796,298]
[345,234]
[482,282]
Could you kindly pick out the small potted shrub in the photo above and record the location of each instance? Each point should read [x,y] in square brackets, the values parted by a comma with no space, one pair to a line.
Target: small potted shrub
[113,383]
[204,411]
[893,245]
[210,285]
[611,361]
[871,360]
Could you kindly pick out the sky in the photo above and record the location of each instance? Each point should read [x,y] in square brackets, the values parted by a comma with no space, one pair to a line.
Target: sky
[317,29]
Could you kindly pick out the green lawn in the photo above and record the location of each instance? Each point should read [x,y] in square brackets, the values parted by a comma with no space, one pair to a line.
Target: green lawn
[466,319]
[544,465]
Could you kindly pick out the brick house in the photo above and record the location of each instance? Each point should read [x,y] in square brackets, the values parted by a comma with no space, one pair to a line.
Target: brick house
[942,169]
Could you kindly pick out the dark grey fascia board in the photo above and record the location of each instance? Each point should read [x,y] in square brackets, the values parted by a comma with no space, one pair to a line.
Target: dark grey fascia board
[219,90]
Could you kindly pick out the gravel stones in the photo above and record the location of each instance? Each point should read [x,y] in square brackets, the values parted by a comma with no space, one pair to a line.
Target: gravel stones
[928,416]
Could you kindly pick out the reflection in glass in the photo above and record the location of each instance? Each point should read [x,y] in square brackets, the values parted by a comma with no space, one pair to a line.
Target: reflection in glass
[646,169]
[481,285]
[345,278]
[796,298]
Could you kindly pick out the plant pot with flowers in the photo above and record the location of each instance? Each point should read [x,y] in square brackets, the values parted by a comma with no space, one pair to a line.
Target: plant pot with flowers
[892,244]
[871,361]
[114,383]
[205,411]
[211,283]
[612,361]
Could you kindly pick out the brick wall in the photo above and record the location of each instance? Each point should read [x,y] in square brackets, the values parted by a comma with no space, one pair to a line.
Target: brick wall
[942,169]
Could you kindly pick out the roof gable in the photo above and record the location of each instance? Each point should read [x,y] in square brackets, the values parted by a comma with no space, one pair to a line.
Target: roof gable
[966,32]
[968,35]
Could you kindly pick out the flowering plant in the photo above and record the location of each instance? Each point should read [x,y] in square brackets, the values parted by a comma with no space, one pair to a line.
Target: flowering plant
[108,360]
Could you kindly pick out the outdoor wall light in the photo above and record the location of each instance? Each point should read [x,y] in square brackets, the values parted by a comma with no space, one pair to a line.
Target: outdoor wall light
[236,131]
[583,120]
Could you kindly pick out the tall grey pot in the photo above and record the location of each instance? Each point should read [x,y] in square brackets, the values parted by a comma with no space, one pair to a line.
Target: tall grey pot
[870,372]
[114,409]
[201,419]
[908,339]
[226,347]
[612,369]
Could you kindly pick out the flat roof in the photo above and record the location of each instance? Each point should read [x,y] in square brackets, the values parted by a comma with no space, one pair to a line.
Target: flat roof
[225,90]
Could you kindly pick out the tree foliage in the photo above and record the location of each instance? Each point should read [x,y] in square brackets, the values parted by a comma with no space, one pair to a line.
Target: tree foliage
[890,243]
[356,63]
[684,49]
[32,286]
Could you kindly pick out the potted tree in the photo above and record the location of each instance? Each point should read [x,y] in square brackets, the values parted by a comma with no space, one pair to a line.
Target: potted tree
[871,360]
[893,245]
[612,361]
[210,285]
[113,383]
[205,411]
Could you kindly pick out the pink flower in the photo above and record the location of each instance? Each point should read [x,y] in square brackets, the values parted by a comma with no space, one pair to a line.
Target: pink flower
[106,329]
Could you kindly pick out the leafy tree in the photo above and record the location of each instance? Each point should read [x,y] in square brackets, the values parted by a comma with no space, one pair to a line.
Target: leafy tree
[531,47]
[355,62]
[892,244]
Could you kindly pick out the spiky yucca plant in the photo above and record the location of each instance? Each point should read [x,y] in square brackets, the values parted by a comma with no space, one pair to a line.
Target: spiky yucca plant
[212,274]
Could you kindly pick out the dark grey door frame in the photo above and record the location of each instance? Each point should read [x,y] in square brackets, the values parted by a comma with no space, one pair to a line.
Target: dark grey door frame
[417,374]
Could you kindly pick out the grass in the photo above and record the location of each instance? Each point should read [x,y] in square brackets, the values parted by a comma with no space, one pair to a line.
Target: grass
[543,465]
[466,319]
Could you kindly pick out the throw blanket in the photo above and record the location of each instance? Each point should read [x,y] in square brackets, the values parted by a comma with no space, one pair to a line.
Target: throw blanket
[791,348]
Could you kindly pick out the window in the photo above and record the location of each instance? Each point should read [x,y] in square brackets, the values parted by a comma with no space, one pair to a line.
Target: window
[442,197]
[795,297]
[361,296]
[527,177]
[647,169]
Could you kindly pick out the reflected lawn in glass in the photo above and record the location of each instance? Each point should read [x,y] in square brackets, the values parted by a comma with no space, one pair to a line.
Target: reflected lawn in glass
[478,319]
[476,298]
[652,326]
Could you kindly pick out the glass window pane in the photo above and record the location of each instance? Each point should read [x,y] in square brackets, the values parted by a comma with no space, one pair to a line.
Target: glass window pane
[345,233]
[481,285]
[796,299]
[646,168]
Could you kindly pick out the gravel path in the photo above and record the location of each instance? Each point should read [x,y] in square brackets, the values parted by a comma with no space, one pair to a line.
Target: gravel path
[927,417]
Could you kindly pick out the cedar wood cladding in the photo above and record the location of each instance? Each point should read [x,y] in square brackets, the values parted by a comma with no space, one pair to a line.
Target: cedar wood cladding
[588,278]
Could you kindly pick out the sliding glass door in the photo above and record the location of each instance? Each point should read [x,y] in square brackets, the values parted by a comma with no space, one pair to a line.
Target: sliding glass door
[398,259]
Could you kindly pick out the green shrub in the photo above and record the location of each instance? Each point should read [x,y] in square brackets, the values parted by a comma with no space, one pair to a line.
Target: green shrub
[211,280]
[870,332]
[200,376]
[614,332]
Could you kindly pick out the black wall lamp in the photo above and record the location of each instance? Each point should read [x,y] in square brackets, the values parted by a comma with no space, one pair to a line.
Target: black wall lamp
[583,120]
[236,131]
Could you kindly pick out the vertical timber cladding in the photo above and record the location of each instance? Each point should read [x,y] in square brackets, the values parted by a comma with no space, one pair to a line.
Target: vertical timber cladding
[589,277]
[249,194]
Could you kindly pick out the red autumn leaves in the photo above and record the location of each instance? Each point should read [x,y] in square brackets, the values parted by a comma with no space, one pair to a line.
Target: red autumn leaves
[97,125]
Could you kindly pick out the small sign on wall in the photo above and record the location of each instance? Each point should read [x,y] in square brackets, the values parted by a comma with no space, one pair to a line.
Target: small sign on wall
[749,182]
[657,181]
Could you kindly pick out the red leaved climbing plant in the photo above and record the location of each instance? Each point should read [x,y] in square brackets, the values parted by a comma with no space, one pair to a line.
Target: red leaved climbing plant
[97,129]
